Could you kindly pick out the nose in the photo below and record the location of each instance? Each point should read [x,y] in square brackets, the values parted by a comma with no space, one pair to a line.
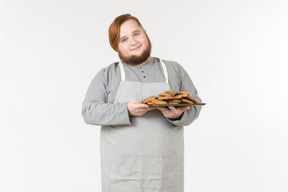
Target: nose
[132,41]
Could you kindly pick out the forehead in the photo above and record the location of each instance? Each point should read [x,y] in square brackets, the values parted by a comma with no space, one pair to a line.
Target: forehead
[128,27]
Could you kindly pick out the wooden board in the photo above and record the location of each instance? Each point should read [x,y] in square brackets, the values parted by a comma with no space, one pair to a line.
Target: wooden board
[175,105]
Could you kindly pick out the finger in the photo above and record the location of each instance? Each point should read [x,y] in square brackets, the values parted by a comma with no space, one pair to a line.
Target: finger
[163,108]
[172,108]
[142,106]
[186,108]
[183,108]
[137,101]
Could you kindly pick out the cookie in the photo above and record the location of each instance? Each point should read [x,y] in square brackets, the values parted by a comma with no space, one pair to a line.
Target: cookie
[146,100]
[172,92]
[187,101]
[180,96]
[174,101]
[191,99]
[183,93]
[165,95]
[166,98]
[157,102]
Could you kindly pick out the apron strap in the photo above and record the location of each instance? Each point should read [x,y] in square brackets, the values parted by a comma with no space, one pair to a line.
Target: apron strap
[122,72]
[164,70]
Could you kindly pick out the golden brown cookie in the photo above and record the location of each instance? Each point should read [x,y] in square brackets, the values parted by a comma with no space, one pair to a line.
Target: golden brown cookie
[165,95]
[191,99]
[157,101]
[183,93]
[146,100]
[174,101]
[166,98]
[187,101]
[180,96]
[172,92]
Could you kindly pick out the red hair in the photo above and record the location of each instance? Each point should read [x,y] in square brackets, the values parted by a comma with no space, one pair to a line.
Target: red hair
[114,29]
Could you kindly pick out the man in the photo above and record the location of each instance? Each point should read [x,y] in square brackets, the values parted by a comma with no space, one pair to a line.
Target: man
[141,146]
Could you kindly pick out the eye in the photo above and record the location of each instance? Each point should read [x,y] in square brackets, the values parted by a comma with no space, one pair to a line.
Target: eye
[136,34]
[124,40]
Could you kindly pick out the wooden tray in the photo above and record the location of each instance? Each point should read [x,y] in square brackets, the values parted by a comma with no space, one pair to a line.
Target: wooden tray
[175,105]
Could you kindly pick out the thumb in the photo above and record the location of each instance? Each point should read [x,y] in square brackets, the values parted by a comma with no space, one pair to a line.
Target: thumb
[135,101]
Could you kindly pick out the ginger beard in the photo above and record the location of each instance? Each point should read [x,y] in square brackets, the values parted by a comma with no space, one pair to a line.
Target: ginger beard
[134,59]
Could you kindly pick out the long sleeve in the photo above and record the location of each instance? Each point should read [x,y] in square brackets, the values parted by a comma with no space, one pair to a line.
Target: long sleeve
[98,106]
[183,82]
[97,109]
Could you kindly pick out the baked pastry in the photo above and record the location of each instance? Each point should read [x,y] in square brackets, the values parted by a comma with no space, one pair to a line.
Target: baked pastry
[187,101]
[180,96]
[166,98]
[191,99]
[157,102]
[186,94]
[165,95]
[148,99]
[182,93]
[172,92]
[174,101]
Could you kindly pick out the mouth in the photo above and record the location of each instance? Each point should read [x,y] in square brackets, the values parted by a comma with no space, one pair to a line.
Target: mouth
[136,48]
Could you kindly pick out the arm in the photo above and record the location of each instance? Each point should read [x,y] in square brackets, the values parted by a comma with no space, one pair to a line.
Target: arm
[97,110]
[138,109]
[184,83]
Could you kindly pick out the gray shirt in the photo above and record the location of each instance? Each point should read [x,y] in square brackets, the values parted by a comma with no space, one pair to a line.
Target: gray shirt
[99,108]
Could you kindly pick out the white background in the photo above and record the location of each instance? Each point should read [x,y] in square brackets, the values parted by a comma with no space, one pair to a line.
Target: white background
[234,50]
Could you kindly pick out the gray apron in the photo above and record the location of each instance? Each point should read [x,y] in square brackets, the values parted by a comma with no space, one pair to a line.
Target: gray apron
[147,156]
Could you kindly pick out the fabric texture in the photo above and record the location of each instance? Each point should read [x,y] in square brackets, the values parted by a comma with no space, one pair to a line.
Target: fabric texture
[139,154]
[99,108]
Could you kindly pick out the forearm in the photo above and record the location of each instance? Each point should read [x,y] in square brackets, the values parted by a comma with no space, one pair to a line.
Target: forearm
[185,83]
[187,117]
[96,113]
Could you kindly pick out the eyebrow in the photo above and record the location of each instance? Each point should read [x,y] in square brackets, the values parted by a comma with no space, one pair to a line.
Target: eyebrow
[121,38]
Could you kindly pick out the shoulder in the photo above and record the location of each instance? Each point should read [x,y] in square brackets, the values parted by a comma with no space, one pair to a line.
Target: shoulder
[169,63]
[173,65]
[107,73]
[110,68]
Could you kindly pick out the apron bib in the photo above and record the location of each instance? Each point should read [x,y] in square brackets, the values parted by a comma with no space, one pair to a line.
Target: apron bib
[147,156]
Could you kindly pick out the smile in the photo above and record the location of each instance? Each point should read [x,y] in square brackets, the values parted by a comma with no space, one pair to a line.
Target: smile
[136,48]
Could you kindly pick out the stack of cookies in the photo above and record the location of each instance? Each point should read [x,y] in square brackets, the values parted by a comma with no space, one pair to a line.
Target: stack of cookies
[170,97]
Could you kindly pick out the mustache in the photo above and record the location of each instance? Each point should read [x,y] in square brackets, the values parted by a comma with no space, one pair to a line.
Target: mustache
[136,60]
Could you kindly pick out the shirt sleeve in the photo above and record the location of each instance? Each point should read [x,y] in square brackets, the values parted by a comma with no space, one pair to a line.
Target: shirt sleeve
[185,84]
[95,108]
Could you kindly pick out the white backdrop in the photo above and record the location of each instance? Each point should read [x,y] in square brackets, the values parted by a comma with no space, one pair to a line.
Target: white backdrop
[234,50]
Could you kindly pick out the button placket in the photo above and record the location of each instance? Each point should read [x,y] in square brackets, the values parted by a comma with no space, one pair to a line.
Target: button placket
[142,72]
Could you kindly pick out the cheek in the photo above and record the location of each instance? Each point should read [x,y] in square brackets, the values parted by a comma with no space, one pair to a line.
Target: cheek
[121,49]
[145,41]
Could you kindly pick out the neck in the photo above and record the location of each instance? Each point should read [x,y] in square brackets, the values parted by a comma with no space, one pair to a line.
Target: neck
[143,62]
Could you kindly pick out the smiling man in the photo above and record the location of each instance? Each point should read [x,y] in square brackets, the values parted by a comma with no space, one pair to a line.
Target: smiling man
[142,147]
[134,47]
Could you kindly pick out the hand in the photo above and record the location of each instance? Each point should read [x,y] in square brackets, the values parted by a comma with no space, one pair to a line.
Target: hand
[136,108]
[172,112]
